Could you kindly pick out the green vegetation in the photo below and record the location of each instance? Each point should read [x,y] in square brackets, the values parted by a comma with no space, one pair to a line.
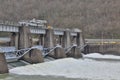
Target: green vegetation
[97,18]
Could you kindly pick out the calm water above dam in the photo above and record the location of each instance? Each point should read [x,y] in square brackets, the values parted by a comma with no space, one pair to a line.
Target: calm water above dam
[69,69]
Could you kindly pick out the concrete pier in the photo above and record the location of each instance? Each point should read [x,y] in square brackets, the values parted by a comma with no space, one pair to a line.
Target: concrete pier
[78,40]
[76,52]
[49,38]
[50,43]
[34,56]
[59,53]
[25,41]
[3,64]
[66,39]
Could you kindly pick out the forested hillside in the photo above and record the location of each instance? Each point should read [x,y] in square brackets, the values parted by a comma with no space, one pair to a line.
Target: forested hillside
[95,17]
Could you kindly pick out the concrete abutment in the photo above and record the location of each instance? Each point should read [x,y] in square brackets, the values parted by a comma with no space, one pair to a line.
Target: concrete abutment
[3,64]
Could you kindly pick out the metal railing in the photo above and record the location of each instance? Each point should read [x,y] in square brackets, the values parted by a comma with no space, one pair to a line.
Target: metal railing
[82,47]
[51,50]
[69,48]
[17,54]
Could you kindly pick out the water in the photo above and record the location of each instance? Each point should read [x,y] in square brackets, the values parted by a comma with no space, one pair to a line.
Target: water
[35,77]
[69,69]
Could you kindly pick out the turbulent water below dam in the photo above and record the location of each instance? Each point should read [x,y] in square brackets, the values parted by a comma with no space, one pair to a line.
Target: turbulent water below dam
[91,67]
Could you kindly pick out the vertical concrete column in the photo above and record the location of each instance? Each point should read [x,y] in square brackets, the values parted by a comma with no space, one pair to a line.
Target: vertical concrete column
[25,39]
[41,39]
[60,39]
[3,64]
[66,39]
[14,40]
[49,38]
[80,41]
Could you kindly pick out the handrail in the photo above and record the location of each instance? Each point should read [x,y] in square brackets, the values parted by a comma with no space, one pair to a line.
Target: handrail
[24,53]
[57,46]
[17,54]
[74,45]
[21,55]
[82,47]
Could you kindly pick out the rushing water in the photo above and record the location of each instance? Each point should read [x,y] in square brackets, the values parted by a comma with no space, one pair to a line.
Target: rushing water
[69,69]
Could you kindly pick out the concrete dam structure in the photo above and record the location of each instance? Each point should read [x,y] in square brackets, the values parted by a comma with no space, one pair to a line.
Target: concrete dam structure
[54,42]
[33,41]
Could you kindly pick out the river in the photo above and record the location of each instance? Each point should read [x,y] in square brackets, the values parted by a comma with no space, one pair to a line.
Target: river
[34,77]
[69,69]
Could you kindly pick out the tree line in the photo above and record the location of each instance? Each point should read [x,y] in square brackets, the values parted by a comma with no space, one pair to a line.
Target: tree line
[95,17]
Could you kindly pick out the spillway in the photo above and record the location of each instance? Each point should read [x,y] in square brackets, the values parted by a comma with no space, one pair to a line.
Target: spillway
[73,68]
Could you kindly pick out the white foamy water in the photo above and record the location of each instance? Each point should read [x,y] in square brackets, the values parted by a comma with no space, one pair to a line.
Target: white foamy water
[97,55]
[73,68]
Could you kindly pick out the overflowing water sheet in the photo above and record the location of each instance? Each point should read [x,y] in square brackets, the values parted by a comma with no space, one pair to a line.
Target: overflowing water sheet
[100,56]
[75,68]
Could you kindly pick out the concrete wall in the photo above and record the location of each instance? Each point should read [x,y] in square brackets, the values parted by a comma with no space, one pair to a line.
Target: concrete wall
[3,64]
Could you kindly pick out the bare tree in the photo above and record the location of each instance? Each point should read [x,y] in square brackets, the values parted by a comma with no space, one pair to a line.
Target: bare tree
[93,16]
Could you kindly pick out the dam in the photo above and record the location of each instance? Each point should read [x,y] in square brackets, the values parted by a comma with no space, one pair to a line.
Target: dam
[50,43]
[33,41]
